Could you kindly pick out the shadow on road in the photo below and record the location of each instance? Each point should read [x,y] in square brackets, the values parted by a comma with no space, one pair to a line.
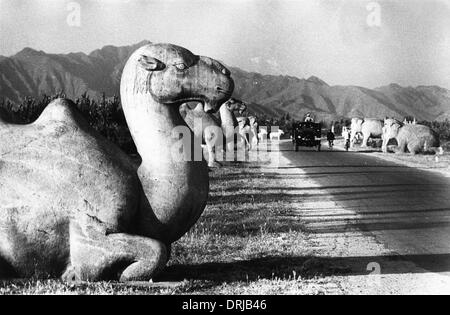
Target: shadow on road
[305,267]
[405,209]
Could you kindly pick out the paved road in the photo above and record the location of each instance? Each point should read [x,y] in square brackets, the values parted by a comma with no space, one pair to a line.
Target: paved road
[406,210]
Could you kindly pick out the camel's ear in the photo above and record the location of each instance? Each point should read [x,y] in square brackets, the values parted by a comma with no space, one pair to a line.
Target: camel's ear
[151,64]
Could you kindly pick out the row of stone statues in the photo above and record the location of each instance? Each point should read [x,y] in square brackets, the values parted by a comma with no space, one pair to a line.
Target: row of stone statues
[224,132]
[217,133]
[410,136]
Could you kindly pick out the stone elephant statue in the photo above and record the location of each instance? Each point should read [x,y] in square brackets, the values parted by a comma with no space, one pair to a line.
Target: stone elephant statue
[369,128]
[410,138]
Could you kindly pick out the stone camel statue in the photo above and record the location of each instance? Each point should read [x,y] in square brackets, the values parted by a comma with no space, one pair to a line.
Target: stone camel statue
[370,128]
[410,137]
[73,204]
[211,130]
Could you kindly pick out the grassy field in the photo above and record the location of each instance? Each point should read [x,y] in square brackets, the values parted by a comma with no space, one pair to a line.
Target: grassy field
[246,242]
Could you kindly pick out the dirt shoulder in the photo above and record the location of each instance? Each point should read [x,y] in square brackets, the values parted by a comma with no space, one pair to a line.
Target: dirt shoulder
[436,163]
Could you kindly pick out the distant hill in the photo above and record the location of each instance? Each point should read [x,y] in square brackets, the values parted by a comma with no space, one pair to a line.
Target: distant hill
[32,72]
[280,94]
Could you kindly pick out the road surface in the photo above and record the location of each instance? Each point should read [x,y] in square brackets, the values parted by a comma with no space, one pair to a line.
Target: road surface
[375,214]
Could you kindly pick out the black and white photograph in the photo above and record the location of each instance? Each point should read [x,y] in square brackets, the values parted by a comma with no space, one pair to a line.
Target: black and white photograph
[234,150]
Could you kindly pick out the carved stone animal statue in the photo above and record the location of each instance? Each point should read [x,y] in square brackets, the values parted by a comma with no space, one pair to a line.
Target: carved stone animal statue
[369,128]
[410,138]
[262,135]
[229,122]
[216,140]
[244,132]
[276,135]
[73,204]
[254,128]
[208,130]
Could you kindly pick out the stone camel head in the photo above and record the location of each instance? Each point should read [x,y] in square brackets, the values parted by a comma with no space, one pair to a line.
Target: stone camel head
[172,75]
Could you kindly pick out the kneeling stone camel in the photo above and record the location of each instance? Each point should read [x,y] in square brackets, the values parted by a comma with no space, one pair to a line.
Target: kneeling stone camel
[410,137]
[72,203]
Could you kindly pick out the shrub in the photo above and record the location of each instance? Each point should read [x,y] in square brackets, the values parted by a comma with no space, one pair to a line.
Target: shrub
[442,128]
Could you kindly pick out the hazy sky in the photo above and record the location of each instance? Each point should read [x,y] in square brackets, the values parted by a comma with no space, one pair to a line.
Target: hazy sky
[341,41]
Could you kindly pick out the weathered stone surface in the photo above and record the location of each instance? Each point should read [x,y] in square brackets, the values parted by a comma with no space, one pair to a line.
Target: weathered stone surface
[54,171]
[71,202]
[410,137]
[176,191]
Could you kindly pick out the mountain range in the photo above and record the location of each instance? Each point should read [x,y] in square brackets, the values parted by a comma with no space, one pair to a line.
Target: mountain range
[31,73]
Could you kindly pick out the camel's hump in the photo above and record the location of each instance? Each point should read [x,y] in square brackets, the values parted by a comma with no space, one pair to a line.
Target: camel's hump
[59,163]
[60,110]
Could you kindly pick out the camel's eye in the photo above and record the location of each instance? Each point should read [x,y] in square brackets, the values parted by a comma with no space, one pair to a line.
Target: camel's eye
[181,66]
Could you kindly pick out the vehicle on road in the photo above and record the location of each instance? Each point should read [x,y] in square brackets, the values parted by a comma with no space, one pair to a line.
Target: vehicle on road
[306,134]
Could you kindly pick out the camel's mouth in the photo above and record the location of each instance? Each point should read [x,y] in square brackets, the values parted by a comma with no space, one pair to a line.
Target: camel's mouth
[207,105]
